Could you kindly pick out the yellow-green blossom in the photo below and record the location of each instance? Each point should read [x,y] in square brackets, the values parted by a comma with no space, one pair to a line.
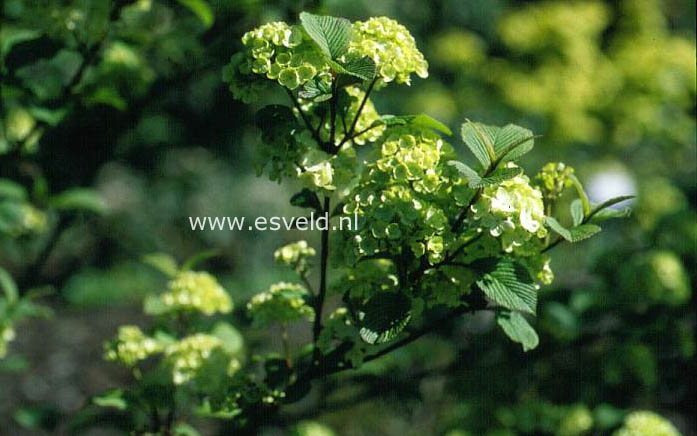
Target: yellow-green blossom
[188,355]
[391,47]
[282,302]
[295,255]
[199,291]
[553,178]
[131,346]
[512,211]
[645,423]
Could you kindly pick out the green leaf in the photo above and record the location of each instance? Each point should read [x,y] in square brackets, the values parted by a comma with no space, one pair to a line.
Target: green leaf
[8,285]
[331,34]
[162,262]
[153,305]
[518,329]
[610,213]
[231,338]
[508,284]
[384,317]
[10,36]
[480,142]
[491,143]
[79,199]
[581,194]
[575,234]
[201,9]
[316,90]
[476,181]
[12,190]
[609,203]
[362,68]
[577,211]
[275,122]
[199,257]
[306,199]
[113,399]
[420,120]
[182,429]
[511,142]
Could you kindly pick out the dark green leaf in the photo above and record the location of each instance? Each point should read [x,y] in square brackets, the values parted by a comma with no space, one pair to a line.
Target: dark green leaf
[79,199]
[306,199]
[384,317]
[476,181]
[201,9]
[331,34]
[508,283]
[577,211]
[518,329]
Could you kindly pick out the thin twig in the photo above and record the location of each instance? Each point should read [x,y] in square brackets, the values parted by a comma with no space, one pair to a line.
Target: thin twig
[319,305]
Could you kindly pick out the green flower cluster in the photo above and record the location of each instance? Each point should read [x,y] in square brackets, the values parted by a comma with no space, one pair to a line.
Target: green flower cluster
[196,291]
[655,276]
[276,51]
[391,47]
[282,302]
[513,211]
[645,423]
[577,421]
[402,197]
[553,178]
[295,255]
[188,355]
[131,346]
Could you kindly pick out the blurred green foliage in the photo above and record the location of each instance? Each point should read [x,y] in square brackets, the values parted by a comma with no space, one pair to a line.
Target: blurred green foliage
[115,127]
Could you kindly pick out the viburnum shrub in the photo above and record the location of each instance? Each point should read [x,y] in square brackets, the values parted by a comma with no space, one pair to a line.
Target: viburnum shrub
[437,238]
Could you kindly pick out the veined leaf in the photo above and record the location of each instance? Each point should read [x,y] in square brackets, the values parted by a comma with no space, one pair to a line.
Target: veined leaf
[574,234]
[609,203]
[491,143]
[518,329]
[610,213]
[474,180]
[384,317]
[331,34]
[511,142]
[360,68]
[201,9]
[508,284]
[420,120]
[480,142]
[577,211]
